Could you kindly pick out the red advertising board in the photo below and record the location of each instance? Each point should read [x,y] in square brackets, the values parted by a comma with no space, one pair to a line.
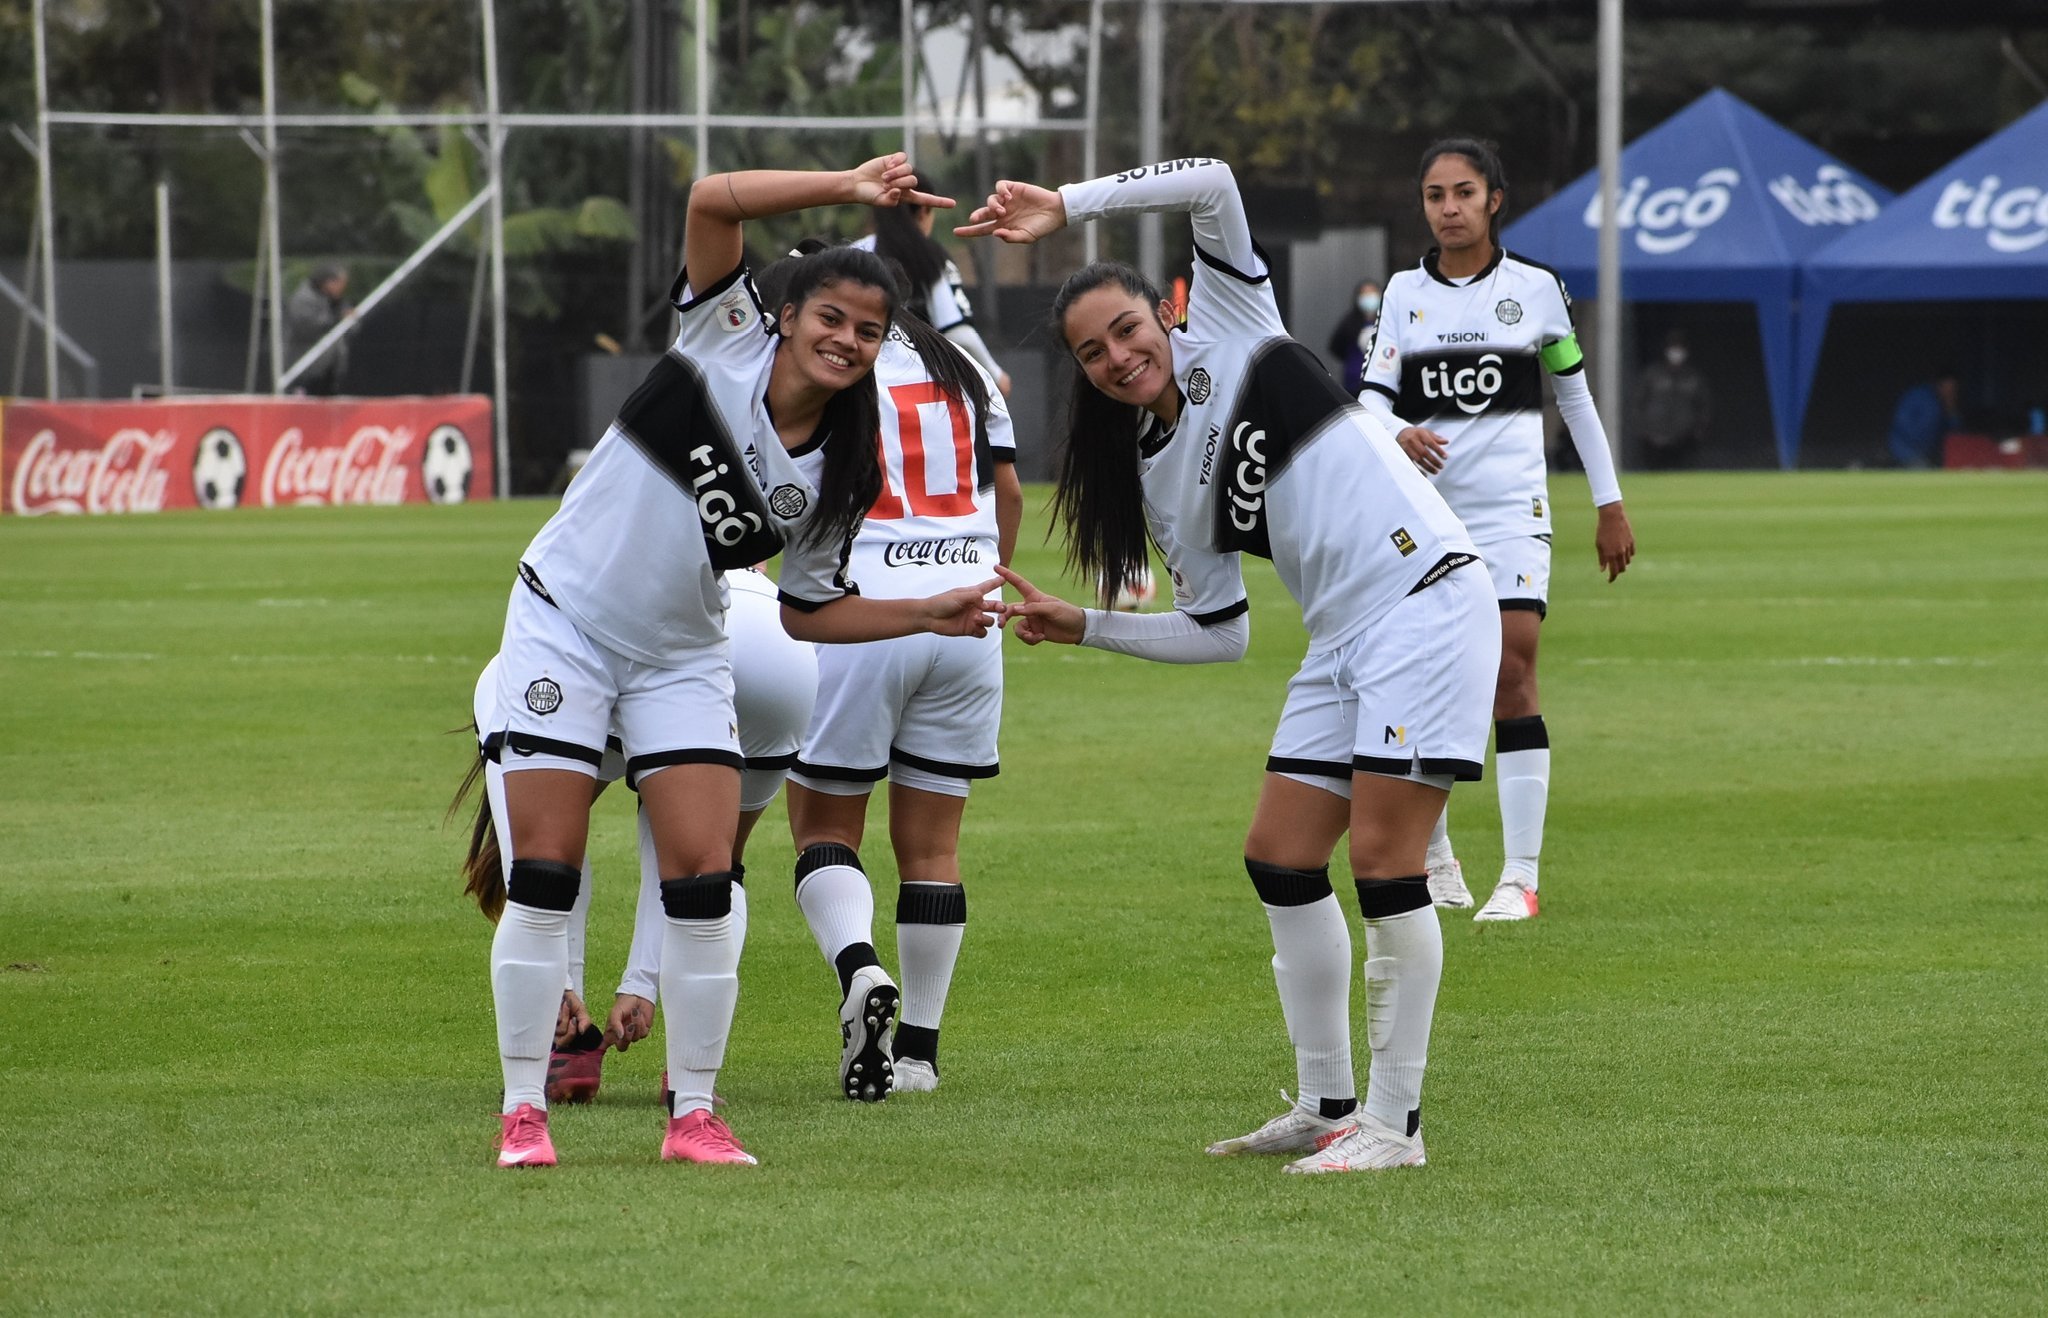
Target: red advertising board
[96,457]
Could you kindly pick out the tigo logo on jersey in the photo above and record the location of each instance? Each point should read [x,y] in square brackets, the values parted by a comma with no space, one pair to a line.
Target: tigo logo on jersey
[1403,541]
[1669,219]
[543,696]
[2015,219]
[1472,388]
[1199,386]
[1508,311]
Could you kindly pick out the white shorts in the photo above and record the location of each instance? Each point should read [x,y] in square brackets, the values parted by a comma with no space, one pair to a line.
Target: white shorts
[921,711]
[1520,569]
[775,685]
[1410,697]
[560,696]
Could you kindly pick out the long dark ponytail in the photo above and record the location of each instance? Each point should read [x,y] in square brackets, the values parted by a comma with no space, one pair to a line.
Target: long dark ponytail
[949,368]
[898,238]
[1098,498]
[1485,158]
[852,422]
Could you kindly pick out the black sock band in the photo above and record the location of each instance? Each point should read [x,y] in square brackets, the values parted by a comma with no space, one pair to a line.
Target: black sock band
[545,885]
[820,854]
[855,956]
[917,1041]
[1520,734]
[1414,1120]
[1279,886]
[1380,898]
[699,897]
[1333,1108]
[739,874]
[931,903]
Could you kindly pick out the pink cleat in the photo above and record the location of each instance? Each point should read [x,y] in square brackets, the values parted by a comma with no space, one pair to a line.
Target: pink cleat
[576,1071]
[525,1141]
[701,1137]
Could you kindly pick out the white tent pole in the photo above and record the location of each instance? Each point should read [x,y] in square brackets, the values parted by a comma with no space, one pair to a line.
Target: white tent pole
[1607,358]
[163,284]
[45,203]
[906,23]
[700,41]
[1151,88]
[270,198]
[1091,243]
[495,136]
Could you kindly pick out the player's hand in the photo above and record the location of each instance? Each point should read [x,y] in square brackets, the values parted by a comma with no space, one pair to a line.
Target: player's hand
[890,181]
[1614,540]
[964,611]
[1425,448]
[1041,617]
[572,1020]
[632,1020]
[1017,213]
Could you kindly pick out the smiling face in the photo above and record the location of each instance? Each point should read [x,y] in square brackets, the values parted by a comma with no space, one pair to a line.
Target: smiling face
[1120,341]
[1457,204]
[832,339]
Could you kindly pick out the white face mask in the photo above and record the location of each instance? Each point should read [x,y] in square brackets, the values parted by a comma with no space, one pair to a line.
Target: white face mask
[1368,303]
[1676,356]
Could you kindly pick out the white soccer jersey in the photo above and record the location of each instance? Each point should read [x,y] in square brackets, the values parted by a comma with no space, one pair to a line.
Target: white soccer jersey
[690,480]
[934,525]
[1465,359]
[1270,457]
[946,298]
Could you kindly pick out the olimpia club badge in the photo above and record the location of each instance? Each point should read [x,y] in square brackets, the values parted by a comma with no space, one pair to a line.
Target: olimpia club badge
[1508,311]
[1199,386]
[543,696]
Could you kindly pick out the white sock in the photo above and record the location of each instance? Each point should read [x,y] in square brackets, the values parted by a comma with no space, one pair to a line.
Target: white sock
[1524,795]
[529,965]
[927,950]
[1404,963]
[839,906]
[1440,838]
[700,987]
[579,920]
[1312,969]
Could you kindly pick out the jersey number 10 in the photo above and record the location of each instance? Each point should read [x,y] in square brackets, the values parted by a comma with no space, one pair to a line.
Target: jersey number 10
[914,499]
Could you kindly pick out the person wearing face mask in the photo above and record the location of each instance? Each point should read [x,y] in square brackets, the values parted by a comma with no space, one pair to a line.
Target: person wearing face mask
[1671,406]
[1354,334]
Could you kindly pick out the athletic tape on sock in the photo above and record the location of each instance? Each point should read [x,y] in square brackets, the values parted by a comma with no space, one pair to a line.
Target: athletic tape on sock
[820,854]
[1520,734]
[1279,886]
[545,885]
[1380,898]
[931,903]
[699,896]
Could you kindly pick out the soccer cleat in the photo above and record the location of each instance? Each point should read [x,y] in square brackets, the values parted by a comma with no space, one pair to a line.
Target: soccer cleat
[1447,885]
[1297,1130]
[574,1072]
[700,1137]
[913,1075]
[1510,901]
[866,1018]
[524,1142]
[1366,1147]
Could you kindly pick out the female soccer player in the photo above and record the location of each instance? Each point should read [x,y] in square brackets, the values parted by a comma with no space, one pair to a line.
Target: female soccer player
[920,711]
[750,437]
[937,294]
[1454,372]
[1230,438]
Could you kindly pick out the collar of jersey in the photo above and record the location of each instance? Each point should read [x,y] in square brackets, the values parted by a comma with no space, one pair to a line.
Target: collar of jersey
[1429,265]
[1153,435]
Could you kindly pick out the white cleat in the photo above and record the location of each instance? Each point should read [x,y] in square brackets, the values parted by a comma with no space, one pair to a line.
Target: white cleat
[1510,901]
[1297,1130]
[866,1020]
[1367,1147]
[1447,886]
[914,1076]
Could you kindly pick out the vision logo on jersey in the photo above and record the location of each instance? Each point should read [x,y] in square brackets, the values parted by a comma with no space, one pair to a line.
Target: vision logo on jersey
[543,696]
[1403,541]
[1508,311]
[1199,386]
[788,502]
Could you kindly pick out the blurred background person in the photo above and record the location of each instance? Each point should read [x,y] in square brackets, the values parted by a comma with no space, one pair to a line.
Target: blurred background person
[315,307]
[1923,419]
[1671,408]
[1353,335]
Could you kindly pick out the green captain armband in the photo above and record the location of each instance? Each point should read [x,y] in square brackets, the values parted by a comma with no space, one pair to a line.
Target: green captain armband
[1562,355]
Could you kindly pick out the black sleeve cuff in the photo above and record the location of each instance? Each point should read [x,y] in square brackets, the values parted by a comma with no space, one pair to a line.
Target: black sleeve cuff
[1379,388]
[678,290]
[810,606]
[1214,616]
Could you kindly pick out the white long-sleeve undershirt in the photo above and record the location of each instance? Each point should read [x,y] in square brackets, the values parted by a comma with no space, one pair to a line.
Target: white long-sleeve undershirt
[1168,638]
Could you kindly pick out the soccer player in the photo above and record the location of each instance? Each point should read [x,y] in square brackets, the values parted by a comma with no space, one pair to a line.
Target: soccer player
[1227,438]
[751,436]
[1456,373]
[920,711]
[936,292]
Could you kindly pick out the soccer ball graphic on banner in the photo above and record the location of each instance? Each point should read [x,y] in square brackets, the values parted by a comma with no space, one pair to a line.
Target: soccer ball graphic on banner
[1137,593]
[446,465]
[219,469]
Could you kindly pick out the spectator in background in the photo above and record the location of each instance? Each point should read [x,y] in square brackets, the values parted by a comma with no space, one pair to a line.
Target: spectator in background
[1926,414]
[1353,335]
[1671,407]
[314,308]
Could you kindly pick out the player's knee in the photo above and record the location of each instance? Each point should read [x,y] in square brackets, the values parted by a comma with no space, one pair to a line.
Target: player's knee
[699,896]
[545,885]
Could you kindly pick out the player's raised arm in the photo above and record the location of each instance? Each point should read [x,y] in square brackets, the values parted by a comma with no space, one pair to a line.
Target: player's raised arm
[713,243]
[1172,637]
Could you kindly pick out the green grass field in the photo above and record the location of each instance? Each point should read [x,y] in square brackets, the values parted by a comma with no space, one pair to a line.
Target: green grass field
[1774,1046]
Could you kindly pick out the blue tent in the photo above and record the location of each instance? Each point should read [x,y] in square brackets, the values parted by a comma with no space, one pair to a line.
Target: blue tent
[1718,204]
[1975,230]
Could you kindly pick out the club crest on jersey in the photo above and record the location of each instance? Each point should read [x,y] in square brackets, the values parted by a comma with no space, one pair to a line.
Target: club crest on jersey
[543,696]
[1198,386]
[735,310]
[788,501]
[1508,311]
[1403,541]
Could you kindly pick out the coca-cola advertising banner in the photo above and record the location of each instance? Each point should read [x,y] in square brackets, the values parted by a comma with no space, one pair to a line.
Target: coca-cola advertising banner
[90,457]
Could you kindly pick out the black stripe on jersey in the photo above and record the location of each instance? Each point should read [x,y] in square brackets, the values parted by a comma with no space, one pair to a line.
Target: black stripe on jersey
[1429,264]
[1287,401]
[532,580]
[1314,768]
[758,762]
[1537,607]
[672,420]
[802,605]
[943,768]
[526,743]
[1564,294]
[1393,396]
[838,773]
[1222,266]
[681,288]
[1464,771]
[1224,614]
[1446,565]
[1465,383]
[641,765]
